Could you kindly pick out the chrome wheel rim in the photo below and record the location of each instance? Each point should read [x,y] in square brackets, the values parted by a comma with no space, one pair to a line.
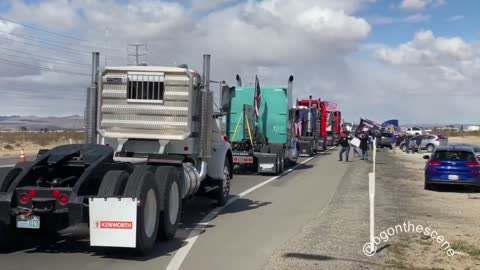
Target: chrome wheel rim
[150,213]
[174,203]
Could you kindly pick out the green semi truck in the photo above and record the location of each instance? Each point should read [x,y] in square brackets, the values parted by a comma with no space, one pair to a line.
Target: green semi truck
[260,126]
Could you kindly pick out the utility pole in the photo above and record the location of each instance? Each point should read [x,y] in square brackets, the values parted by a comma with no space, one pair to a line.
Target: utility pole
[137,54]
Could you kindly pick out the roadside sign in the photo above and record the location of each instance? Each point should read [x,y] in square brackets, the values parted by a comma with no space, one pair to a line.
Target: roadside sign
[113,222]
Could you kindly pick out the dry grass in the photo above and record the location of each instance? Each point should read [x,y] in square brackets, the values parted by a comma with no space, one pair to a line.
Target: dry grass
[12,143]
[457,133]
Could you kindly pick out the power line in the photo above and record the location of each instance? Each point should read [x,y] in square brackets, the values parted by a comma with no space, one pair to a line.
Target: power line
[51,32]
[50,42]
[47,57]
[41,68]
[13,55]
[41,96]
[56,48]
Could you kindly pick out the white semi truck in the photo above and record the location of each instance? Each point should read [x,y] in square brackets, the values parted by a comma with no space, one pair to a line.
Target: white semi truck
[158,143]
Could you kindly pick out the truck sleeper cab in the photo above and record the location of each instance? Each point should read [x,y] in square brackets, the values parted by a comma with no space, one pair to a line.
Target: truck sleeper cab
[265,144]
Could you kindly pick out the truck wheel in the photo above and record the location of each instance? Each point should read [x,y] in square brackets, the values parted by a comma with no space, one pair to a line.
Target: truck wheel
[113,183]
[282,161]
[142,185]
[223,190]
[277,165]
[171,201]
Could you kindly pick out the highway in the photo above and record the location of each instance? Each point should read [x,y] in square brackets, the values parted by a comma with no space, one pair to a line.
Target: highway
[262,214]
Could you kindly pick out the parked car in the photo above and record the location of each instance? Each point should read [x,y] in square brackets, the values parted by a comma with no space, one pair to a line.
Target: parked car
[415,142]
[385,140]
[430,142]
[425,142]
[452,165]
[414,131]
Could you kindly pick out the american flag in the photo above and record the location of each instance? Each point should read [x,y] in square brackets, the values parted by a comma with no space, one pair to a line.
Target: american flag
[257,97]
[330,106]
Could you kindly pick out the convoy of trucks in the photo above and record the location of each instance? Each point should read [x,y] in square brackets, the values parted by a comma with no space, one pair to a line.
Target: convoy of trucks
[155,141]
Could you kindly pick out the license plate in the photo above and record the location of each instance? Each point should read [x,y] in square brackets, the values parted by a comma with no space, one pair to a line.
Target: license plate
[453,177]
[28,222]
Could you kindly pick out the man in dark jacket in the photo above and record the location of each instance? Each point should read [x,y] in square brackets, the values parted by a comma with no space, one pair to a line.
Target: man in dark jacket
[344,143]
[364,145]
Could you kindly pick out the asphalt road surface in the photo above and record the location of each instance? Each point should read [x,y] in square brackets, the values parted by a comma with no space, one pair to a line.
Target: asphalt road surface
[263,213]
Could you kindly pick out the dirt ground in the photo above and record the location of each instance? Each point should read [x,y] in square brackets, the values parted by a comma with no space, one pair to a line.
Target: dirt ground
[11,144]
[335,237]
[452,212]
[465,139]
[29,148]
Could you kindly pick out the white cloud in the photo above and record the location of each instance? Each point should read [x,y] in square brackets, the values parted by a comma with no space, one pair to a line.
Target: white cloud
[445,69]
[320,42]
[54,14]
[417,18]
[455,18]
[426,49]
[414,5]
[419,5]
[274,38]
[439,3]
[208,5]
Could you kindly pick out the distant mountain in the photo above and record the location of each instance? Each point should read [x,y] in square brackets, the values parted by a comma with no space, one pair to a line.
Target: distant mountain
[74,122]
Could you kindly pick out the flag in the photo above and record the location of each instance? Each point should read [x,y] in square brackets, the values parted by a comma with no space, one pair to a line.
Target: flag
[330,106]
[389,123]
[368,126]
[257,97]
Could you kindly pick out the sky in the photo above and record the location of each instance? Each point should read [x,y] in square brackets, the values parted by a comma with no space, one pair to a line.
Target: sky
[414,60]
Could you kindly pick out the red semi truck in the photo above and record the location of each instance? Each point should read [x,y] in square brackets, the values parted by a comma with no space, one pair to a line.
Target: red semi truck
[318,109]
[330,125]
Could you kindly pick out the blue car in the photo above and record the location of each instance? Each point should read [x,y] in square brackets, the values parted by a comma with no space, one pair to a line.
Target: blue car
[452,165]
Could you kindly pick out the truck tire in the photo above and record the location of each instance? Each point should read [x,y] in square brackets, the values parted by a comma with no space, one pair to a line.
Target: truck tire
[142,185]
[223,190]
[282,161]
[277,165]
[113,183]
[168,183]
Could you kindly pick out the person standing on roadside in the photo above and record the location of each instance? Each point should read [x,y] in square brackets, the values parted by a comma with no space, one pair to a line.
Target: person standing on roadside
[407,144]
[344,142]
[364,146]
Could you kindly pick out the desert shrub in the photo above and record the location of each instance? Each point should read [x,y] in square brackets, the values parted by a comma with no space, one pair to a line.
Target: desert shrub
[8,147]
[41,138]
[9,138]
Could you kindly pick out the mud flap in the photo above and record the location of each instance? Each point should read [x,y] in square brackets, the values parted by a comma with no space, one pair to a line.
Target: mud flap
[267,163]
[113,222]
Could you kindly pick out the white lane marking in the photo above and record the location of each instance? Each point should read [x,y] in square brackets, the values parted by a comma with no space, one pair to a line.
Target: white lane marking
[5,166]
[182,253]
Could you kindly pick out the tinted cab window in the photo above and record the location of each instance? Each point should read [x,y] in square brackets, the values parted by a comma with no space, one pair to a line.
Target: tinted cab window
[454,155]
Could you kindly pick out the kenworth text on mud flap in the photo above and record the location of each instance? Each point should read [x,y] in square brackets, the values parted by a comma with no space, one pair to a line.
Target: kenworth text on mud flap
[262,137]
[158,144]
